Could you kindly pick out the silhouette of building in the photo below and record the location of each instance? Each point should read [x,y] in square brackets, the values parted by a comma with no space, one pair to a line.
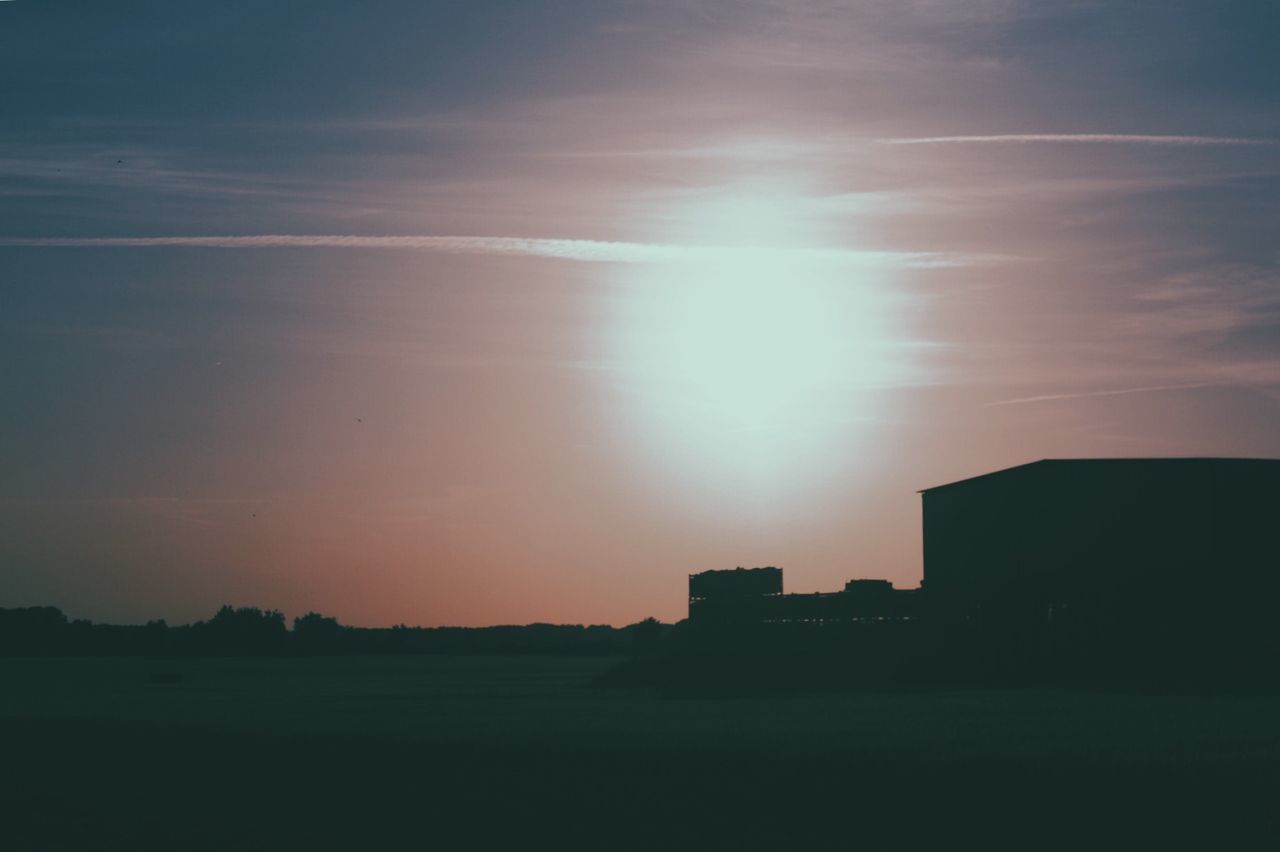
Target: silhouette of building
[742,595]
[754,596]
[1159,554]
[1167,566]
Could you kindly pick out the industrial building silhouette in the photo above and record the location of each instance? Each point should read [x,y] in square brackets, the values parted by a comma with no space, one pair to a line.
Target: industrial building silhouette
[754,595]
[1172,560]
[1163,557]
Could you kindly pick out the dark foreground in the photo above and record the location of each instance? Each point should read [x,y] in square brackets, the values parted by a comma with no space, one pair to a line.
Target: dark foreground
[522,753]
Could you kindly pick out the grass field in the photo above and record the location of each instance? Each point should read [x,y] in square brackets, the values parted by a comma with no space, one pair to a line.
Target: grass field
[523,753]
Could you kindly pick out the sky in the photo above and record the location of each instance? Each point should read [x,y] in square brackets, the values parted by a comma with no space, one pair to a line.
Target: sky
[501,312]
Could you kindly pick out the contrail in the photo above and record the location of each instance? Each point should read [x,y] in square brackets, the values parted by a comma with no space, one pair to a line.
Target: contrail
[582,250]
[587,251]
[1095,138]
[1117,392]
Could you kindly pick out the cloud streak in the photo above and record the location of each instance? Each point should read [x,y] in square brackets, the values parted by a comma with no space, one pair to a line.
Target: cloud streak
[585,251]
[1116,392]
[1080,138]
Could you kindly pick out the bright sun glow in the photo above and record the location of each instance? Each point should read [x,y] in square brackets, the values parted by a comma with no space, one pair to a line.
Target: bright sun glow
[750,363]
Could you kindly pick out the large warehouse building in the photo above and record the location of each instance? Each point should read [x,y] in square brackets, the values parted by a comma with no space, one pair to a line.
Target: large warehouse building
[1146,551]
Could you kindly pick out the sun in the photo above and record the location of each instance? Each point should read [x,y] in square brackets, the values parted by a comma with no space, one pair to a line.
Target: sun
[741,341]
[748,362]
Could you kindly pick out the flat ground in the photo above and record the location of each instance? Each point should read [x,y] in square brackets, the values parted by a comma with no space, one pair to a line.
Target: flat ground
[522,753]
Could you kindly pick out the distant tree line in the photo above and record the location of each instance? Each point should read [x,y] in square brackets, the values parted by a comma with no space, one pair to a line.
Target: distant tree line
[250,631]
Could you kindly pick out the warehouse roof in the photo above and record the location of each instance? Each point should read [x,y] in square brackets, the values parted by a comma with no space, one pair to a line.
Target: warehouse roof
[1115,465]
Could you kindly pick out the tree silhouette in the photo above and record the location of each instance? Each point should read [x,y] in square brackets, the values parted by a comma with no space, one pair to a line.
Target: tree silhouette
[245,630]
[314,632]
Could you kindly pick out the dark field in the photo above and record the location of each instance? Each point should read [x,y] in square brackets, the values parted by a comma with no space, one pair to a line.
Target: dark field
[522,753]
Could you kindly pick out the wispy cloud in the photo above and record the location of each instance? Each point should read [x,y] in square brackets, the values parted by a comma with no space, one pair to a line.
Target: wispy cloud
[67,168]
[1210,304]
[1087,138]
[1116,392]
[197,511]
[587,251]
[747,150]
